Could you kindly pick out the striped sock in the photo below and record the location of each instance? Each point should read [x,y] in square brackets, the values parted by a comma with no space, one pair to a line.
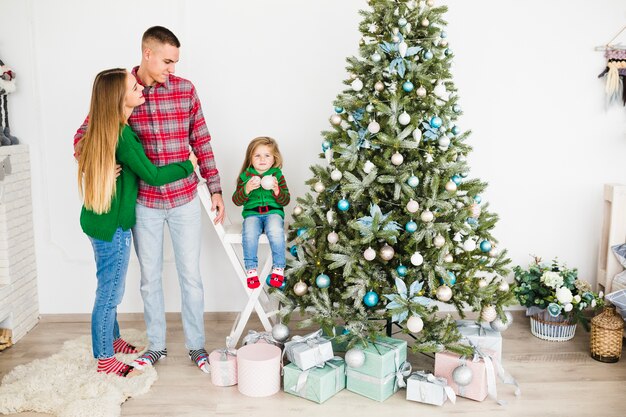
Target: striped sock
[113,366]
[122,346]
[201,358]
[149,358]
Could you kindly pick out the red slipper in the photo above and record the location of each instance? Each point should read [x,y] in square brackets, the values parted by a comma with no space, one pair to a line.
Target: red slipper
[253,282]
[277,280]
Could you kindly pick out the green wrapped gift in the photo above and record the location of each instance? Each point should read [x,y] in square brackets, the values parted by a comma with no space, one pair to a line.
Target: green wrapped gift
[383,357]
[378,389]
[316,384]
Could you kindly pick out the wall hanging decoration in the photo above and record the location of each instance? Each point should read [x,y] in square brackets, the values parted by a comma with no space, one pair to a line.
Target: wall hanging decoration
[7,86]
[615,70]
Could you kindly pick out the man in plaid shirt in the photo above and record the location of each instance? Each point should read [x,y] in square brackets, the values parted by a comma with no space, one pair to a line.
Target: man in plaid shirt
[168,123]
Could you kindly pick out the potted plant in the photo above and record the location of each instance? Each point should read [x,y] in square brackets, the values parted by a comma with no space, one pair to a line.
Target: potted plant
[555,299]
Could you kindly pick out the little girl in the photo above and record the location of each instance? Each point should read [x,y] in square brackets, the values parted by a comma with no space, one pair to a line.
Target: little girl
[263,192]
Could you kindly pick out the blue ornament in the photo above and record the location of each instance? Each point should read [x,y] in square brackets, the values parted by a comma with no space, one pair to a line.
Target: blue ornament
[471,221]
[322,281]
[413,181]
[402,22]
[345,331]
[267,280]
[456,179]
[485,246]
[456,108]
[478,199]
[447,52]
[301,231]
[370,299]
[443,35]
[428,55]
[343,204]
[293,250]
[436,122]
[407,86]
[450,280]
[410,226]
[338,109]
[402,270]
[463,174]
[325,145]
[455,130]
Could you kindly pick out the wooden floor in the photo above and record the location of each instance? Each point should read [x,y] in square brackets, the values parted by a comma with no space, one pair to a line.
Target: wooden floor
[557,379]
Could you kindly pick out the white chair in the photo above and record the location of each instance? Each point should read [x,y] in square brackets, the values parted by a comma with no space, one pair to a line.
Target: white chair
[258,299]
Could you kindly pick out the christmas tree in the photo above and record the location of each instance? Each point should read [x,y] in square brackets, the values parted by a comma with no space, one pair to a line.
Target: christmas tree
[393,223]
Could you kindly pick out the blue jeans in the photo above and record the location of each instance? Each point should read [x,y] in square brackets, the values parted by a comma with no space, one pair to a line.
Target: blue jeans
[185,226]
[111,266]
[273,227]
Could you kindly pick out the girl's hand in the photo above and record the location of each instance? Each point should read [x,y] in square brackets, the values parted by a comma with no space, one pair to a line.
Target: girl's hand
[276,188]
[253,184]
[194,159]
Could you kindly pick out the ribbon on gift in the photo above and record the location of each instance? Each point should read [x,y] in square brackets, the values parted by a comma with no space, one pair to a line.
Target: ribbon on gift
[403,371]
[225,352]
[442,382]
[468,324]
[253,337]
[304,376]
[491,367]
[313,340]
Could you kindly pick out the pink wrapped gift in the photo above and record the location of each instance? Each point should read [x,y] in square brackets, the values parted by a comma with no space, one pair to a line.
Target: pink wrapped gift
[258,369]
[484,370]
[223,367]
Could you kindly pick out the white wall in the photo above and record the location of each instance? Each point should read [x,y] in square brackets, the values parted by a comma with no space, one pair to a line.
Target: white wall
[526,72]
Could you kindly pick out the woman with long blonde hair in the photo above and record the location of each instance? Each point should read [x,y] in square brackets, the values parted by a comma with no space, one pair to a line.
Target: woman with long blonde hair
[109,199]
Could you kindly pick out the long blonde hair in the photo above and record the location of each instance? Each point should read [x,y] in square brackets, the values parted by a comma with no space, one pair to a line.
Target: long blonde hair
[262,140]
[96,162]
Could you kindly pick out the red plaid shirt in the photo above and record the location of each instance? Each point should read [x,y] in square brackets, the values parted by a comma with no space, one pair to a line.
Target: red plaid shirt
[167,123]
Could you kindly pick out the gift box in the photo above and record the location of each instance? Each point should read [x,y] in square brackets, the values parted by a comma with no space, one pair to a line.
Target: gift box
[477,389]
[316,384]
[223,364]
[337,332]
[428,389]
[383,357]
[480,336]
[309,351]
[258,369]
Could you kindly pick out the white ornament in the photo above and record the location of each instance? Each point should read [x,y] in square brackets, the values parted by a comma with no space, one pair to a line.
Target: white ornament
[395,39]
[459,205]
[397,159]
[417,259]
[368,166]
[415,324]
[439,241]
[335,120]
[431,3]
[387,252]
[504,286]
[332,237]
[475,210]
[440,91]
[319,187]
[369,108]
[444,293]
[402,48]
[444,141]
[373,127]
[328,153]
[280,332]
[493,252]
[499,326]
[469,245]
[357,85]
[352,76]
[450,186]
[462,375]
[267,182]
[425,22]
[443,43]
[427,216]
[330,217]
[448,258]
[372,28]
[379,86]
[482,283]
[457,237]
[412,206]
[417,134]
[421,92]
[369,254]
[488,314]
[376,57]
[429,158]
[336,175]
[404,119]
[355,358]
[297,210]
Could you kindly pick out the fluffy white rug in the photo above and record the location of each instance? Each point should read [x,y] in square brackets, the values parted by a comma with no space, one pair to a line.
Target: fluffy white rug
[66,384]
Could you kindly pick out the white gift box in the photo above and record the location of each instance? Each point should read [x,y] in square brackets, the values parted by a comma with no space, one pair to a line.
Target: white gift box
[309,351]
[426,388]
[479,336]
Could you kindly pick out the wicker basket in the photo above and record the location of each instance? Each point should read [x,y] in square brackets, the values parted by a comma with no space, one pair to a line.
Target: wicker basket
[606,335]
[554,329]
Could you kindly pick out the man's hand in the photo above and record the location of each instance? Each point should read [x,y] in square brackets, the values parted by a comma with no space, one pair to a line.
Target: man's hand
[118,170]
[217,203]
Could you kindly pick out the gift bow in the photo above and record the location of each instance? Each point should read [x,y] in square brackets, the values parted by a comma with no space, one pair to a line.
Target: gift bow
[442,382]
[403,371]
[492,367]
[225,352]
[253,337]
[304,376]
[468,324]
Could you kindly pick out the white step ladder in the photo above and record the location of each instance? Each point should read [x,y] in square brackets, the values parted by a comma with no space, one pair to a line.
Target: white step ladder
[258,299]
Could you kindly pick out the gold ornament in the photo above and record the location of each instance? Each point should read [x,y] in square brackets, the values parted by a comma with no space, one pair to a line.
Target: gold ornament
[300,288]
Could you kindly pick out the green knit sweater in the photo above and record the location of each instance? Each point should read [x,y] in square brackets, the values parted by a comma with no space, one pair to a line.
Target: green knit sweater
[135,164]
[261,197]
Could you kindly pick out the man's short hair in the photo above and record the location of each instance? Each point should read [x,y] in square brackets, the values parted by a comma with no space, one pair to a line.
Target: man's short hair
[161,35]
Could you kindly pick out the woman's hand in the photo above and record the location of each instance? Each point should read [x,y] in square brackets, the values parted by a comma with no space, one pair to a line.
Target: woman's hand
[194,159]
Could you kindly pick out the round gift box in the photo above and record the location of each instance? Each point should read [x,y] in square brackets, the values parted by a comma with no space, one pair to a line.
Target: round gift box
[223,370]
[258,369]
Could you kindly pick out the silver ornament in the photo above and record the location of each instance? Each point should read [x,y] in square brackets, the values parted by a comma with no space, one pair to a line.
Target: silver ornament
[444,293]
[376,57]
[462,375]
[427,216]
[504,286]
[332,237]
[280,332]
[300,288]
[336,175]
[488,314]
[335,120]
[387,252]
[379,86]
[319,187]
[444,141]
[297,210]
[355,358]
[499,325]
[415,324]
